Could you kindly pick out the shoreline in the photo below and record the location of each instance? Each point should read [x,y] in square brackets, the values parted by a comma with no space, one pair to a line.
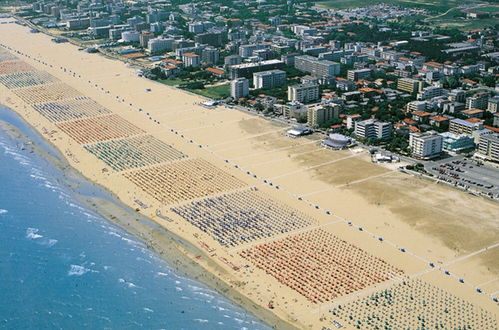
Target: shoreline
[168,246]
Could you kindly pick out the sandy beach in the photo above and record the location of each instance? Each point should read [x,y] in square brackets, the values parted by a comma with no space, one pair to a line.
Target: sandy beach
[300,235]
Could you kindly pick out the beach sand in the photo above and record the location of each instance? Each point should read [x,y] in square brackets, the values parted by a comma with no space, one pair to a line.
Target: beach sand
[431,223]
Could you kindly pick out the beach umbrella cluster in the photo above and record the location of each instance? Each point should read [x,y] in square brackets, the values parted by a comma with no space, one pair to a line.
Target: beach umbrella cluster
[26,79]
[319,265]
[242,217]
[70,109]
[133,152]
[9,67]
[183,180]
[414,304]
[46,93]
[95,129]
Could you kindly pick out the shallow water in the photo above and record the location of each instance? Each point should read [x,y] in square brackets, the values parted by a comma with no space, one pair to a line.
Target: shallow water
[64,266]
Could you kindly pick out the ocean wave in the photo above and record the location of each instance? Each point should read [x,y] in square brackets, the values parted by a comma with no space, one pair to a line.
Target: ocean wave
[50,242]
[148,310]
[112,233]
[3,211]
[161,274]
[77,270]
[31,233]
[129,284]
[201,320]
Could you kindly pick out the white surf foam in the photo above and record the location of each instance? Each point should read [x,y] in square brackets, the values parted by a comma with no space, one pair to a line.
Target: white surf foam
[31,233]
[77,270]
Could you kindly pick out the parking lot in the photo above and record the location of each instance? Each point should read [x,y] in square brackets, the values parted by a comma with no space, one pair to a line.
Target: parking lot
[467,174]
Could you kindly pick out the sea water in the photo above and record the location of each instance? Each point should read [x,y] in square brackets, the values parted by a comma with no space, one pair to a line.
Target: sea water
[64,266]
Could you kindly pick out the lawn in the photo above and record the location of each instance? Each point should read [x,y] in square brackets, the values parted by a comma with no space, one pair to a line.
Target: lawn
[217,92]
[171,82]
[487,9]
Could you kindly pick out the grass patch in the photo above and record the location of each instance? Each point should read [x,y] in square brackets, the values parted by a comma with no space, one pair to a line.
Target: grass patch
[487,9]
[217,92]
[171,82]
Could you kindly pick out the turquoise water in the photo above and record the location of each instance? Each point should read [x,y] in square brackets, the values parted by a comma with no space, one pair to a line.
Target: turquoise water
[64,266]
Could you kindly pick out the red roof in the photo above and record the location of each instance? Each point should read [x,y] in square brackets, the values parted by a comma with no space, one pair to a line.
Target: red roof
[494,129]
[439,118]
[421,113]
[216,71]
[474,120]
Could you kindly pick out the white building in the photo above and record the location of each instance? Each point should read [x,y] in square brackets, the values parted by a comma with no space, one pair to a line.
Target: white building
[430,92]
[303,93]
[130,36]
[489,147]
[239,88]
[159,45]
[425,145]
[372,128]
[269,79]
[191,59]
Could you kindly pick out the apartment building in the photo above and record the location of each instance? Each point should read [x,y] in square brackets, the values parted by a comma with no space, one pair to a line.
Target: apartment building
[303,93]
[317,67]
[372,128]
[489,147]
[459,126]
[425,145]
[478,101]
[239,88]
[409,85]
[355,75]
[269,79]
[318,114]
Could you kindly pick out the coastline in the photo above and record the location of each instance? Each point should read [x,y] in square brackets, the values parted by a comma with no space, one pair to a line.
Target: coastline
[170,247]
[344,200]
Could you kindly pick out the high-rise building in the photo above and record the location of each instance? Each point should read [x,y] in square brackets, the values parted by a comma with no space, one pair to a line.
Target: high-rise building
[459,126]
[269,79]
[478,101]
[232,60]
[425,145]
[246,70]
[196,27]
[214,39]
[239,88]
[372,128]
[493,104]
[430,92]
[489,147]
[144,38]
[191,59]
[317,67]
[457,95]
[210,55]
[409,85]
[159,45]
[355,75]
[303,93]
[318,114]
[247,50]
